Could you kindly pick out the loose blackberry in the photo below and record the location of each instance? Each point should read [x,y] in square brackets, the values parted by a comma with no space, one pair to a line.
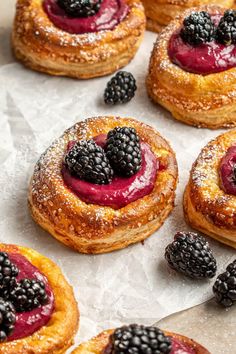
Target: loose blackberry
[123,151]
[28,294]
[225,286]
[88,161]
[190,254]
[80,8]
[120,89]
[7,319]
[137,339]
[8,273]
[197,28]
[226,30]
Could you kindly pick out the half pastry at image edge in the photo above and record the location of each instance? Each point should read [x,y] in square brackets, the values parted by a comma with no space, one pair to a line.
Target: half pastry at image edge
[210,196]
[35,317]
[161,12]
[192,70]
[106,183]
[80,39]
[140,339]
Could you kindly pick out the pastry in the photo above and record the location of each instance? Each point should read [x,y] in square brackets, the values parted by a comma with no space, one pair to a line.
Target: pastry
[161,12]
[210,196]
[34,316]
[97,193]
[192,69]
[77,39]
[170,343]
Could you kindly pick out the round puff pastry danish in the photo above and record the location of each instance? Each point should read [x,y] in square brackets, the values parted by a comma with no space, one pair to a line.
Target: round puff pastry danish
[161,12]
[46,39]
[210,196]
[43,329]
[93,218]
[101,344]
[196,84]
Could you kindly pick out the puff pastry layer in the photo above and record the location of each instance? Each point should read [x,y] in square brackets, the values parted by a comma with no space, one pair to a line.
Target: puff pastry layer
[207,207]
[97,344]
[54,338]
[43,47]
[203,101]
[161,12]
[91,228]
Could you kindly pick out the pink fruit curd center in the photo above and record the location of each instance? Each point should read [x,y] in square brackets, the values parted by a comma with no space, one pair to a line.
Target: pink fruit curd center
[207,58]
[29,322]
[227,171]
[121,191]
[111,13]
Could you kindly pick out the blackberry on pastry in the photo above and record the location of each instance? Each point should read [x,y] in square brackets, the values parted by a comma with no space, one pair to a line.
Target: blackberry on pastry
[77,38]
[33,307]
[192,68]
[226,30]
[100,203]
[140,339]
[80,8]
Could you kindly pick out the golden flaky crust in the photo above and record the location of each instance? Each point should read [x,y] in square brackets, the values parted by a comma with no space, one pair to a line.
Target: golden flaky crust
[54,338]
[90,228]
[207,207]
[203,101]
[42,46]
[97,344]
[161,12]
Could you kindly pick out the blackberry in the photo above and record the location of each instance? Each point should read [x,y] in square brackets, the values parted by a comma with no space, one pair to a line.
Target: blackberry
[123,151]
[137,339]
[226,30]
[88,161]
[225,286]
[80,8]
[190,254]
[7,319]
[120,89]
[8,273]
[197,28]
[28,294]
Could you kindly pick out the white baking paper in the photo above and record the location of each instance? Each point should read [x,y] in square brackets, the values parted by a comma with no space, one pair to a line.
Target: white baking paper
[132,285]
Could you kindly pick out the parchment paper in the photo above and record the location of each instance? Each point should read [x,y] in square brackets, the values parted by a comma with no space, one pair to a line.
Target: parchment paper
[132,285]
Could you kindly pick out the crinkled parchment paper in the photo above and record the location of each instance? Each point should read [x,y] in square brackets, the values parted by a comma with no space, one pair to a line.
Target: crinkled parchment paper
[132,285]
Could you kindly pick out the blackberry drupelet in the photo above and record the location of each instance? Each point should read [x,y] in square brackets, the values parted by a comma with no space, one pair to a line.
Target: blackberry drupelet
[80,8]
[8,273]
[197,28]
[28,294]
[7,319]
[87,161]
[123,151]
[190,254]
[120,89]
[226,30]
[225,286]
[139,339]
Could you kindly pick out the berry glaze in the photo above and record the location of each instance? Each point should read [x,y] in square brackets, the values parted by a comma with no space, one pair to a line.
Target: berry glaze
[227,171]
[121,191]
[207,58]
[111,13]
[29,322]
